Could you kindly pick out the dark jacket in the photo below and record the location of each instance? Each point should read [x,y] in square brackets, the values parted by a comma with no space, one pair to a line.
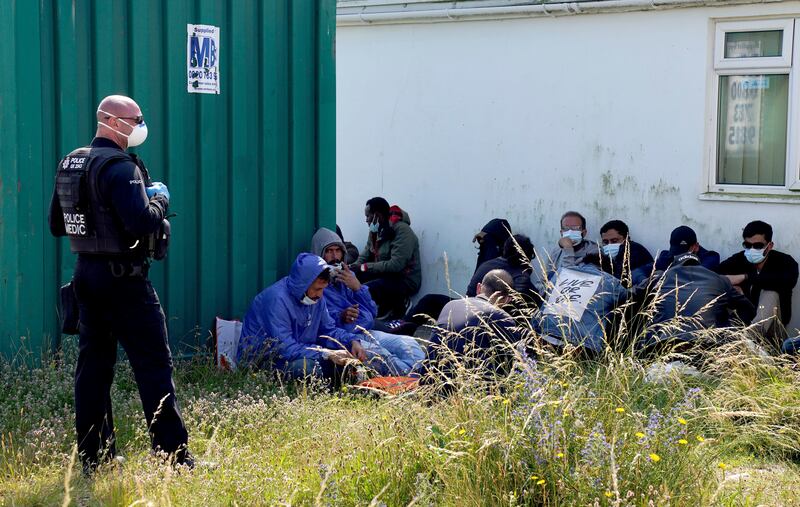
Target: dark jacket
[709,259]
[778,274]
[692,298]
[520,274]
[394,249]
[477,330]
[637,257]
[497,232]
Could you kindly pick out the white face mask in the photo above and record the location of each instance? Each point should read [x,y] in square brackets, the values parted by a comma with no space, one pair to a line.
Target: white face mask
[308,301]
[137,136]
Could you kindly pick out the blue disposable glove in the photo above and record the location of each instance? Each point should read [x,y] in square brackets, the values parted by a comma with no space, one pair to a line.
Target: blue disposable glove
[157,188]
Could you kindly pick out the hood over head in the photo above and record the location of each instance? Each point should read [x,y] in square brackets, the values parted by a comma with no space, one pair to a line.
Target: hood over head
[323,238]
[305,270]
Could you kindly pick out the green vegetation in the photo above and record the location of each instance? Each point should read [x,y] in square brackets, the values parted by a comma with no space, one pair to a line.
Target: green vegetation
[558,431]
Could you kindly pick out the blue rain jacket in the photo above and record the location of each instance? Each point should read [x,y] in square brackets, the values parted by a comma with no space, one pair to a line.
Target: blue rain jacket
[590,330]
[279,328]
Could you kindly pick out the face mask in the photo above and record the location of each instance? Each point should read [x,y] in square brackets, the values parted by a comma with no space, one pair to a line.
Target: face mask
[137,136]
[755,256]
[612,249]
[574,236]
[308,301]
[374,227]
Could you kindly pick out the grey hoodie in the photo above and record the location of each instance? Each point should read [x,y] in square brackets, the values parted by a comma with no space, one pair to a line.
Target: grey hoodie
[323,238]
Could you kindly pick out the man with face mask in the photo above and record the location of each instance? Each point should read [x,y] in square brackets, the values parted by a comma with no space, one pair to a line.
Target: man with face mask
[572,247]
[389,264]
[101,202]
[622,257]
[766,276]
[352,309]
[288,326]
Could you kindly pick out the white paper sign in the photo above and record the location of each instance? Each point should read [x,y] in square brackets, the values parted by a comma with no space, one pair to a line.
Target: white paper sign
[744,113]
[571,294]
[202,58]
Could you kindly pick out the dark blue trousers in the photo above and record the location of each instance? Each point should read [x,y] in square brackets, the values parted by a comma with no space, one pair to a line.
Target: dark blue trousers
[119,305]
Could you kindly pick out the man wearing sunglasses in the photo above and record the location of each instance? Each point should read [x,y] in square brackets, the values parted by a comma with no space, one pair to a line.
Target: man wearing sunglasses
[101,202]
[766,276]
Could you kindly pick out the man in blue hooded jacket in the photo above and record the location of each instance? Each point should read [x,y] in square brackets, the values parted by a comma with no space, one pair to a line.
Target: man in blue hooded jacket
[289,328]
[352,308]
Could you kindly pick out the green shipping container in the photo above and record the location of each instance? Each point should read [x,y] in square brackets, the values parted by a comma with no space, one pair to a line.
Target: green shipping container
[251,170]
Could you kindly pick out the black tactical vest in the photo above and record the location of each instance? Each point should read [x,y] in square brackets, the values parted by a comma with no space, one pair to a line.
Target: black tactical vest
[91,225]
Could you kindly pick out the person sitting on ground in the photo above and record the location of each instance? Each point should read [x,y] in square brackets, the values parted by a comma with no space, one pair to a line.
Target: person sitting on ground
[428,308]
[688,300]
[766,276]
[288,326]
[579,307]
[518,252]
[476,330]
[350,250]
[490,240]
[623,257]
[572,247]
[389,264]
[353,310]
[683,239]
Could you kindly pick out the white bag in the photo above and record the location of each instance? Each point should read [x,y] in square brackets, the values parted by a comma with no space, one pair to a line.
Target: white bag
[227,333]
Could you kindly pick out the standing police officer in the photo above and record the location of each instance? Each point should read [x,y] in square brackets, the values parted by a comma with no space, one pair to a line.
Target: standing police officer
[104,202]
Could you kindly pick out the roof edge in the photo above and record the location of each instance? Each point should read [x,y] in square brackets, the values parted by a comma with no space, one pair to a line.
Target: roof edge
[369,12]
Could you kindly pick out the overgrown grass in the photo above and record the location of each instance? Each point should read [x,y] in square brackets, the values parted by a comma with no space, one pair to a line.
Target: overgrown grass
[558,431]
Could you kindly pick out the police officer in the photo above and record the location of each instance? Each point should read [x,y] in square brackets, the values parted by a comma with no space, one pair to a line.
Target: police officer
[104,202]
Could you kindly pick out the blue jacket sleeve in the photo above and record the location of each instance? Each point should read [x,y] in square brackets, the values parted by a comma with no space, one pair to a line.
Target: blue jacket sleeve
[336,337]
[367,309]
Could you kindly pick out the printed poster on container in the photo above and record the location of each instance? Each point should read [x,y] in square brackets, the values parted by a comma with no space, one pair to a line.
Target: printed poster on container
[202,52]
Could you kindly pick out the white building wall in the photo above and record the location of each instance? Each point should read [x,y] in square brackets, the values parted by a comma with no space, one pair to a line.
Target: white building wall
[605,114]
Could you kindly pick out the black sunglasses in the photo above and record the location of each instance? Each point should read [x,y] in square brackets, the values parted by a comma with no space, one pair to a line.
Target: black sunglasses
[757,246]
[138,119]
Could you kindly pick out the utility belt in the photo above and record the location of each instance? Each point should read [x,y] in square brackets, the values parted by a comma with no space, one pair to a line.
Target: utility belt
[119,267]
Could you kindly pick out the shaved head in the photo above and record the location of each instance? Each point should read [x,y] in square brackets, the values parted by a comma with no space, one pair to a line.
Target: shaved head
[109,112]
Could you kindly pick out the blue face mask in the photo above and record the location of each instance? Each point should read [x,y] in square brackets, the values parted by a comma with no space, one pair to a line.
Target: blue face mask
[374,227]
[574,236]
[755,256]
[612,249]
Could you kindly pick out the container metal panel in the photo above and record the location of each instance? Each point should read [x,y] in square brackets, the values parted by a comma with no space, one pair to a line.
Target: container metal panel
[251,170]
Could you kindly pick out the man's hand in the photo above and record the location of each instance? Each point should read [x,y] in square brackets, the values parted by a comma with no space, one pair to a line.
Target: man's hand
[350,314]
[566,243]
[358,351]
[737,279]
[339,357]
[349,278]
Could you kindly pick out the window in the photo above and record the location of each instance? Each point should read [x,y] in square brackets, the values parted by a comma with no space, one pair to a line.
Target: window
[754,99]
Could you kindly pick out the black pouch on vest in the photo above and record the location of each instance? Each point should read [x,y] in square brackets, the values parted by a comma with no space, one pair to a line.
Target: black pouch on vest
[68,309]
[159,241]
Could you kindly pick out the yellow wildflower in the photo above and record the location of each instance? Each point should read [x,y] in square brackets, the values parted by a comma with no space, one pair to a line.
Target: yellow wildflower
[564,384]
[506,401]
[682,420]
[619,410]
[534,477]
[639,434]
[683,441]
[540,482]
[560,455]
[462,431]
[722,466]
[608,494]
[655,457]
[700,439]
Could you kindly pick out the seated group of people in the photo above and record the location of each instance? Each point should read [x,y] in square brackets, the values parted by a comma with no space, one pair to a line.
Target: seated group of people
[335,308]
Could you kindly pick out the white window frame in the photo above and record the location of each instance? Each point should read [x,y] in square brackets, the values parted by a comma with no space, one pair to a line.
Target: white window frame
[788,63]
